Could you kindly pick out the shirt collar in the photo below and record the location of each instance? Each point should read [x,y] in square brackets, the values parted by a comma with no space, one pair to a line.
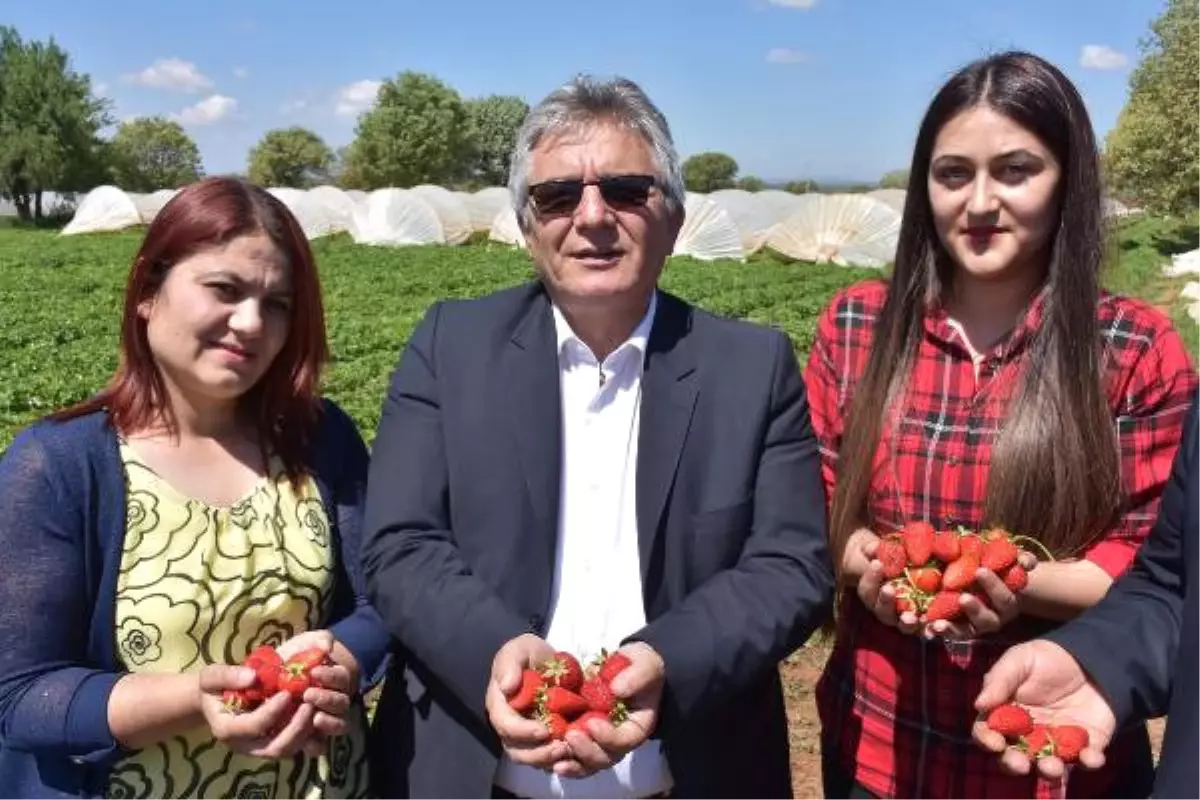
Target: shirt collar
[939,327]
[639,339]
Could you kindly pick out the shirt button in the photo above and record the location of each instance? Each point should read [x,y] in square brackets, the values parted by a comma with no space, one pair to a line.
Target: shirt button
[952,460]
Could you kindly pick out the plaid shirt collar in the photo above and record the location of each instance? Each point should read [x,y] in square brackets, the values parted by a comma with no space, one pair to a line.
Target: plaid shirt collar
[941,329]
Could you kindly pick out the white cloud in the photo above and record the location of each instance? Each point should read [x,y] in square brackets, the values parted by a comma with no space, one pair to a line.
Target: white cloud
[1100,56]
[804,4]
[170,73]
[786,55]
[356,98]
[211,109]
[241,72]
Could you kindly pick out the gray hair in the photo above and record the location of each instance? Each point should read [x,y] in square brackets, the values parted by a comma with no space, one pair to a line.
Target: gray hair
[584,101]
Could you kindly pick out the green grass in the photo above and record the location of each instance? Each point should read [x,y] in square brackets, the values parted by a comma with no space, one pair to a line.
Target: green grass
[60,301]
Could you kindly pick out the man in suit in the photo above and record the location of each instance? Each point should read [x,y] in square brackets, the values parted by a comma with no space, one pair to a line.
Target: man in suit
[588,462]
[1131,657]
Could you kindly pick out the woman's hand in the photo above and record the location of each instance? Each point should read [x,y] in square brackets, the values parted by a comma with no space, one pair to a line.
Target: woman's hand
[276,729]
[874,589]
[338,683]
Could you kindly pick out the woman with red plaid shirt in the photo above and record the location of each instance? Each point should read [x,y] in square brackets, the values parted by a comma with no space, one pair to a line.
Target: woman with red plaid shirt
[991,382]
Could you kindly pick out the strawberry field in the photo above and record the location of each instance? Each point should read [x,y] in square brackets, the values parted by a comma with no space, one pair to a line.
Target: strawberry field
[60,301]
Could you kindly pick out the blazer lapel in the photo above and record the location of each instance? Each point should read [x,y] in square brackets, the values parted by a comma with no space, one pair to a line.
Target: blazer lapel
[532,396]
[669,392]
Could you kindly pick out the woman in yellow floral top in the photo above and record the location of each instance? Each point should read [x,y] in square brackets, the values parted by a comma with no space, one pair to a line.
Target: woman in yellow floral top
[204,503]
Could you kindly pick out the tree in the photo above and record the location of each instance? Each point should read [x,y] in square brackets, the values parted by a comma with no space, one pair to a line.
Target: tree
[418,132]
[495,121]
[707,172]
[751,183]
[1152,156]
[49,124]
[294,157]
[896,179]
[801,187]
[152,153]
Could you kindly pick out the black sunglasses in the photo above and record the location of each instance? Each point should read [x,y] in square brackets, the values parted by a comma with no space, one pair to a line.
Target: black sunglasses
[618,191]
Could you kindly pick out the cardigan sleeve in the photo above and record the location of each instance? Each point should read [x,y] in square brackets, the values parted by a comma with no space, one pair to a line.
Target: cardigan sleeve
[53,702]
[361,631]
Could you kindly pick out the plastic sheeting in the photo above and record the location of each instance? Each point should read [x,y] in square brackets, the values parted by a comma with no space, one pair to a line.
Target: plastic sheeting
[451,212]
[843,229]
[396,217]
[709,232]
[105,208]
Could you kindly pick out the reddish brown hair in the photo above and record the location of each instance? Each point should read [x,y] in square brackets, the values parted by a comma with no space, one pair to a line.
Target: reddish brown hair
[284,403]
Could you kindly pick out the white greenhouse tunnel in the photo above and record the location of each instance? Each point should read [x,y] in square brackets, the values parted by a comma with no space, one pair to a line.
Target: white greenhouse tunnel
[856,230]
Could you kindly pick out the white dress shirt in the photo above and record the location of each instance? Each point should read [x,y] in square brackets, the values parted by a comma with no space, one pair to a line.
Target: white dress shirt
[596,600]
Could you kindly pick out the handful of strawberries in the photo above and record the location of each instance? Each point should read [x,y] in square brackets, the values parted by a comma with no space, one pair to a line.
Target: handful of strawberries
[564,697]
[1035,740]
[930,569]
[274,674]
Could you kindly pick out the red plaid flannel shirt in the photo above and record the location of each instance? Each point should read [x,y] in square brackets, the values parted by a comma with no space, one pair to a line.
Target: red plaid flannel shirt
[898,710]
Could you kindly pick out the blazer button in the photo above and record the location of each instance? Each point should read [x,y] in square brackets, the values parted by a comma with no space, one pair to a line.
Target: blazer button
[535,622]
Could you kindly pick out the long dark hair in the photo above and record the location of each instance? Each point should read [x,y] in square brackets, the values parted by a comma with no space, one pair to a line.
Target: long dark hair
[284,402]
[1055,467]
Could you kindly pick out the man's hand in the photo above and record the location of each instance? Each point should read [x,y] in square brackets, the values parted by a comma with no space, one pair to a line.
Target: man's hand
[640,686]
[525,741]
[1050,683]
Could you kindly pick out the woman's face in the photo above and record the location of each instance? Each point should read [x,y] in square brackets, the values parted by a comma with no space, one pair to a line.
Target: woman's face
[220,318]
[993,192]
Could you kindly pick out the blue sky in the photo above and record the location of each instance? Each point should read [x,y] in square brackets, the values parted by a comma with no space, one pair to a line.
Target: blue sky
[789,88]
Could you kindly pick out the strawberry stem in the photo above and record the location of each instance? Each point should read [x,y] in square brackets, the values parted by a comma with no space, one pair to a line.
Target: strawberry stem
[1036,543]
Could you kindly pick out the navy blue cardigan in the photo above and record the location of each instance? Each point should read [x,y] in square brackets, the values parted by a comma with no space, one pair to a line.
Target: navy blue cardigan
[62,525]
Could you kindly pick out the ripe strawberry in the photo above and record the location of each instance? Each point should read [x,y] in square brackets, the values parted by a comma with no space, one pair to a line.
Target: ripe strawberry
[892,555]
[1015,578]
[529,693]
[1037,742]
[563,670]
[946,547]
[558,700]
[266,663]
[295,675]
[598,695]
[960,574]
[971,545]
[943,606]
[1011,720]
[918,542]
[1069,741]
[999,555]
[556,724]
[611,664]
[926,579]
[904,597]
[580,722]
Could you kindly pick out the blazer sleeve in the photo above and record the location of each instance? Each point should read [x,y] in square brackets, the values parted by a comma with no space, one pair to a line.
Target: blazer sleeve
[52,702]
[727,633]
[361,631]
[428,597]
[1144,608]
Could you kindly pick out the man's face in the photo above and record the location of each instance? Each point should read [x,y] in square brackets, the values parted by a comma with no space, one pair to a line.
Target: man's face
[613,243]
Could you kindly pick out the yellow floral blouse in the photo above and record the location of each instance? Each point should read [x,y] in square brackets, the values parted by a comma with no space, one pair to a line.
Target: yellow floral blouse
[200,585]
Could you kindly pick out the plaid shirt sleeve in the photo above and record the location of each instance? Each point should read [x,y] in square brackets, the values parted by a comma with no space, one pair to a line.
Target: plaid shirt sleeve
[1150,413]
[823,385]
